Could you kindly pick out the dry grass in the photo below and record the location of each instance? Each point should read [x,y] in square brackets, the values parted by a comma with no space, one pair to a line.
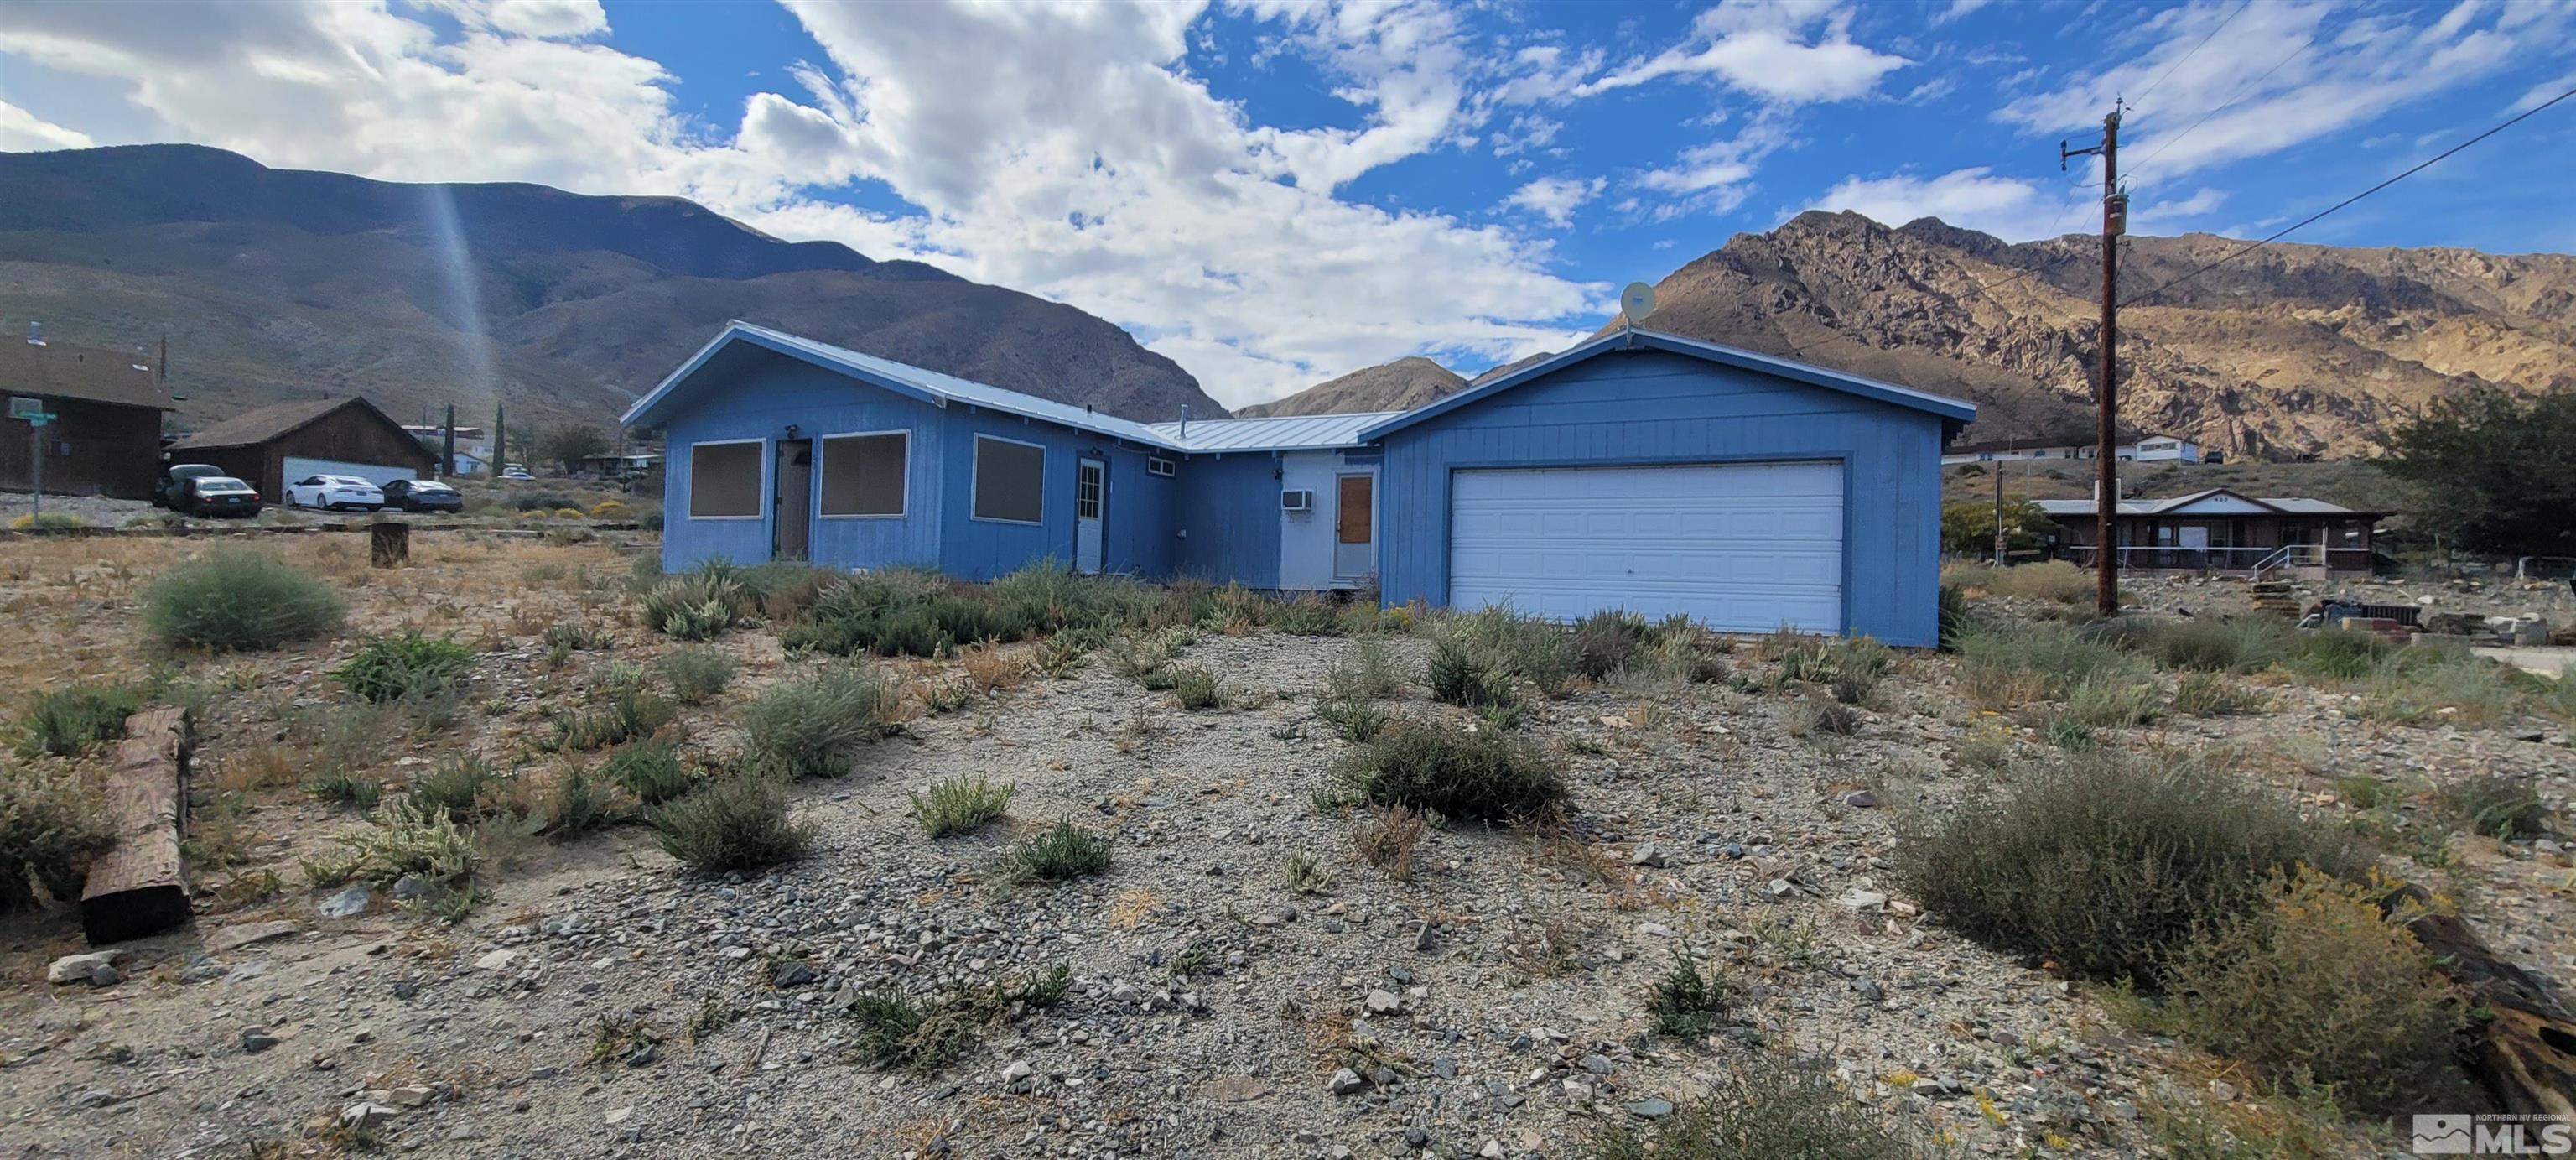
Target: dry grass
[2053,580]
[992,668]
[1386,840]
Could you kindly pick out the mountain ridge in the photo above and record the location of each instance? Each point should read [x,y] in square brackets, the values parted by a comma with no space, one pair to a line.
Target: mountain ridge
[281,283]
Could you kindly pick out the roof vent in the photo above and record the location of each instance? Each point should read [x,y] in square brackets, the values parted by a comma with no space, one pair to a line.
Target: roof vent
[1185,420]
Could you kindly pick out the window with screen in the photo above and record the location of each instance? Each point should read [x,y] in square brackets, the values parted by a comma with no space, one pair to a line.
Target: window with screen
[863,475]
[1010,480]
[724,480]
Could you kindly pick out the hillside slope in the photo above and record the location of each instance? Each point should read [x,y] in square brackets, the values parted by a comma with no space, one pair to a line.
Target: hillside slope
[1401,385]
[2289,352]
[282,283]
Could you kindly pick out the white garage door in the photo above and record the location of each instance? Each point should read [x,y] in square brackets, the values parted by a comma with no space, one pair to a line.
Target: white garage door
[298,467]
[1741,547]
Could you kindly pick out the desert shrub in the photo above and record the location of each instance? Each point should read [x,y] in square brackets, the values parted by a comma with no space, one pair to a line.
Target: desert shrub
[1453,771]
[813,726]
[48,522]
[630,714]
[1364,672]
[2108,862]
[1308,616]
[239,599]
[1774,1109]
[2055,580]
[1535,650]
[2207,646]
[2498,806]
[895,612]
[1607,641]
[1848,667]
[406,665]
[541,502]
[2213,695]
[696,605]
[1461,674]
[696,675]
[1386,838]
[1304,873]
[2450,685]
[781,590]
[1196,687]
[340,785]
[2006,666]
[1952,617]
[2318,986]
[575,803]
[960,805]
[52,821]
[1684,1004]
[895,1031]
[1821,715]
[456,788]
[649,770]
[66,722]
[1682,653]
[738,823]
[2105,704]
[2338,656]
[1065,851]
[1354,720]
[401,841]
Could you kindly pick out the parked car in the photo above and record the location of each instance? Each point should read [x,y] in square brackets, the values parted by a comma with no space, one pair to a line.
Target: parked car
[423,495]
[215,495]
[336,492]
[173,481]
[514,471]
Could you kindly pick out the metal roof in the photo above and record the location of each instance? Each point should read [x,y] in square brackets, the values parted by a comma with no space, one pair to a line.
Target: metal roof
[927,385]
[1954,410]
[60,371]
[2285,505]
[1282,433]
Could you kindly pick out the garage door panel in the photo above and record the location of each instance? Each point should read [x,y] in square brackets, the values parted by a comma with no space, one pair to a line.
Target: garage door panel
[1740,547]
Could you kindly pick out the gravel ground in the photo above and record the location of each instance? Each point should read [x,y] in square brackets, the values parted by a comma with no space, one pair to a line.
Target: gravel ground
[97,510]
[1489,1006]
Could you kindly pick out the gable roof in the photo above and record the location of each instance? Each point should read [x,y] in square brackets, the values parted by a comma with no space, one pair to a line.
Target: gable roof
[277,420]
[928,386]
[56,370]
[1283,433]
[2174,505]
[1954,410]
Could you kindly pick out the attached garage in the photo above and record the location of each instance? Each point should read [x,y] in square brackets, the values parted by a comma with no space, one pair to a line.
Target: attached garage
[278,444]
[1740,547]
[1661,475]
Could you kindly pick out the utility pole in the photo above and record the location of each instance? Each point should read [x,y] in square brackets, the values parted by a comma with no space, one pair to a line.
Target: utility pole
[500,441]
[2106,459]
[1999,513]
[447,445]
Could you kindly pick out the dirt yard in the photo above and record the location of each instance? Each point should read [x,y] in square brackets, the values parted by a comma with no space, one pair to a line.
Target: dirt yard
[597,1000]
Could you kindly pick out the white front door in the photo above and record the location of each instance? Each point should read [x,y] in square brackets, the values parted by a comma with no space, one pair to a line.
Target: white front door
[1090,496]
[1744,547]
[1355,526]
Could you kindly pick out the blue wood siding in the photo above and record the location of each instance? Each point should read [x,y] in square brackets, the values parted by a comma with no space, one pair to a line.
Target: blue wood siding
[1132,534]
[1229,505]
[758,399]
[1654,407]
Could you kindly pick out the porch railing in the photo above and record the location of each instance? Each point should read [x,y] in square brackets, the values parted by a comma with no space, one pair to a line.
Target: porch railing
[2256,561]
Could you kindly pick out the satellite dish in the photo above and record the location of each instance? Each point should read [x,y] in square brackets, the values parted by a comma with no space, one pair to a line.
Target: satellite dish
[1636,302]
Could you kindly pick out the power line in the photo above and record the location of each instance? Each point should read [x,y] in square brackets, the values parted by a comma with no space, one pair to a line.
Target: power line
[2195,49]
[2418,168]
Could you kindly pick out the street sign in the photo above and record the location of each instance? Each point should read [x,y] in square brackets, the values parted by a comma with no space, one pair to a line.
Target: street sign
[20,406]
[38,419]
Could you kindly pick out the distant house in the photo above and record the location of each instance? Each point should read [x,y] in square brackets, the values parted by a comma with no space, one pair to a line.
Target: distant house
[105,435]
[473,446]
[629,466]
[2220,531]
[2133,448]
[279,444]
[1638,471]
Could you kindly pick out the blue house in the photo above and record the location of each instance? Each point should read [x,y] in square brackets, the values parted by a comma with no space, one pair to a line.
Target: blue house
[1638,470]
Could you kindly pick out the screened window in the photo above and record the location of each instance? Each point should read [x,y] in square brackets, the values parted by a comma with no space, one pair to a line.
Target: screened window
[863,475]
[1010,480]
[724,480]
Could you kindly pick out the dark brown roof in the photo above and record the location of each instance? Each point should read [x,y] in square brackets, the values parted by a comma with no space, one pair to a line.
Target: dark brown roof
[78,372]
[259,426]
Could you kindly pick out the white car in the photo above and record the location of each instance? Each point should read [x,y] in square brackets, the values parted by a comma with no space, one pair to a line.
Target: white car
[336,492]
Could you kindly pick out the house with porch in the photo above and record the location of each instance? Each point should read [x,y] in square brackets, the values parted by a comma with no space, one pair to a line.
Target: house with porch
[1638,471]
[2221,531]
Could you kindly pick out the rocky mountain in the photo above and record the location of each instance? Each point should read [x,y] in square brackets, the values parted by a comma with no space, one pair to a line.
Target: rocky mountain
[1400,385]
[2289,352]
[278,284]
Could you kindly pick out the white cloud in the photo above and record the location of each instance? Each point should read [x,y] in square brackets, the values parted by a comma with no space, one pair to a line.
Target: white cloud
[1063,150]
[1556,198]
[1527,132]
[2296,73]
[2175,216]
[1714,178]
[2542,93]
[1973,198]
[1957,9]
[1764,47]
[24,132]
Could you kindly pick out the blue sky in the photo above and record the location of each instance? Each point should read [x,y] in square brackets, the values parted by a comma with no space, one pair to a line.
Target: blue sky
[1273,192]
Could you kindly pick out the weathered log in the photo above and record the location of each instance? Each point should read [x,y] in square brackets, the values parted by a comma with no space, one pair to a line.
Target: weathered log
[388,544]
[2526,1052]
[138,886]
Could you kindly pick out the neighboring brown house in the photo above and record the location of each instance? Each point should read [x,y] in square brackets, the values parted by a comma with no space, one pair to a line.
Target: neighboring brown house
[105,438]
[284,442]
[2220,531]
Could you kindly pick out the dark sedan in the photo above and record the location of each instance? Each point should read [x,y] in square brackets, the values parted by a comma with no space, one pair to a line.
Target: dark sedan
[216,495]
[423,495]
[170,488]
